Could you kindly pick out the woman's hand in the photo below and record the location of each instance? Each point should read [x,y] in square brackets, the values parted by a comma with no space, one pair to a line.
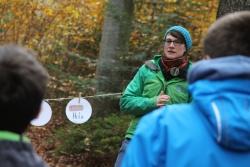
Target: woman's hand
[162,99]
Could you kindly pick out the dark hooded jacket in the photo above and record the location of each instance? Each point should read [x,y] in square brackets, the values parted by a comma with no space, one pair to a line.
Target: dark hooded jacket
[16,152]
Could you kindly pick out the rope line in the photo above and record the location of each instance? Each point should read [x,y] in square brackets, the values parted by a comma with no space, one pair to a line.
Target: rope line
[71,97]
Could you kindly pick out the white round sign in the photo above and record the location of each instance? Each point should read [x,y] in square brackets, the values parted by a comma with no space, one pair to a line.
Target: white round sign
[78,110]
[44,116]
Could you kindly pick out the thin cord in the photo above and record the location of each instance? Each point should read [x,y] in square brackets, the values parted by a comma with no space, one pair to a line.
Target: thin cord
[71,97]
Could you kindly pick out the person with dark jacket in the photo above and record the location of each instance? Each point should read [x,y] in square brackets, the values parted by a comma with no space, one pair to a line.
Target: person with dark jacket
[214,129]
[22,88]
[159,82]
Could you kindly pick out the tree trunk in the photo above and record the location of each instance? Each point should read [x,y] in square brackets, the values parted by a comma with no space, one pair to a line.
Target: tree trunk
[113,48]
[229,6]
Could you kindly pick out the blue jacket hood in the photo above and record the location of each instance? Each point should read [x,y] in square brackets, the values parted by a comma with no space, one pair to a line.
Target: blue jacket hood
[221,89]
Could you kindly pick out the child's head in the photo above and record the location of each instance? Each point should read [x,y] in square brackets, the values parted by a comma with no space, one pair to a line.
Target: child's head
[228,36]
[22,87]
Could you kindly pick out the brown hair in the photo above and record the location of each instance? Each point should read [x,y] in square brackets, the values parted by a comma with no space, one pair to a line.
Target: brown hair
[229,35]
[22,87]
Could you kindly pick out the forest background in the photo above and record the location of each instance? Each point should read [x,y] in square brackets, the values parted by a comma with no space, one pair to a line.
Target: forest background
[67,36]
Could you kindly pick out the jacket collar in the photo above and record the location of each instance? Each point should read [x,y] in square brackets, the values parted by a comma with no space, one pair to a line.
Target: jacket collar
[11,136]
[231,67]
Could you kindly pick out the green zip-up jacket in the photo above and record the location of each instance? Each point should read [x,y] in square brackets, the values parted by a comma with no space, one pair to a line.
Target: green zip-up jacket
[141,94]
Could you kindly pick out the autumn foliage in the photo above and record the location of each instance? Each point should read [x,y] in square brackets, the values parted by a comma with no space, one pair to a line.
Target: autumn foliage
[66,34]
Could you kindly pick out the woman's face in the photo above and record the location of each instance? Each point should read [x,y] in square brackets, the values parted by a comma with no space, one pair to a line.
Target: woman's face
[173,48]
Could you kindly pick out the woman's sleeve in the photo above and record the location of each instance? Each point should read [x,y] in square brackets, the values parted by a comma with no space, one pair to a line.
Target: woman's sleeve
[132,101]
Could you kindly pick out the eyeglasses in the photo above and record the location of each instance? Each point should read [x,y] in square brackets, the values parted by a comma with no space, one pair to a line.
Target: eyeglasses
[176,42]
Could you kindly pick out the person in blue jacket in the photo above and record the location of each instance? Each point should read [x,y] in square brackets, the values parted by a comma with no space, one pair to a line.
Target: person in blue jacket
[213,130]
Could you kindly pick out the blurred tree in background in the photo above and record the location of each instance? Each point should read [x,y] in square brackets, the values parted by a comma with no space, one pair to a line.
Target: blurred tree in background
[69,35]
[113,46]
[229,6]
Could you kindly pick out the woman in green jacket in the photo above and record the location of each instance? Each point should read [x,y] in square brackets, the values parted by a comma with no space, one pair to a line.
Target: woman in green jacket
[160,81]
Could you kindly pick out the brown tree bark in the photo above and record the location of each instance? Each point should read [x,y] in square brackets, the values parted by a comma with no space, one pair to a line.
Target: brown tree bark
[229,6]
[113,48]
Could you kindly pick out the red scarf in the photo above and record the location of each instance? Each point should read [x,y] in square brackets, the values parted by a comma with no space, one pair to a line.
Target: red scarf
[170,63]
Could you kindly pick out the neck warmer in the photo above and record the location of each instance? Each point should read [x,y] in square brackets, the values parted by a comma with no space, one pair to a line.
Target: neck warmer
[174,67]
[171,63]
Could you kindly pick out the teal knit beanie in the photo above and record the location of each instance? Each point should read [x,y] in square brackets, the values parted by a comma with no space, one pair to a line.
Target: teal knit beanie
[185,33]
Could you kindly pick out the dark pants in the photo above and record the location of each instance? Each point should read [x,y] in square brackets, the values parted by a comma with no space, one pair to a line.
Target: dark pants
[118,162]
